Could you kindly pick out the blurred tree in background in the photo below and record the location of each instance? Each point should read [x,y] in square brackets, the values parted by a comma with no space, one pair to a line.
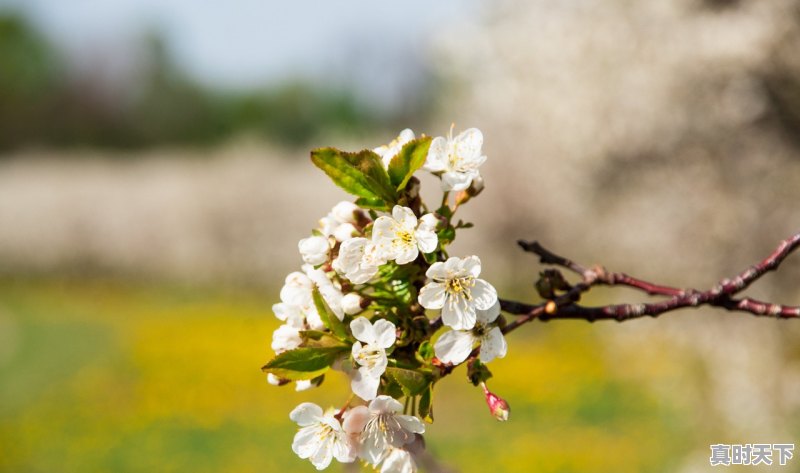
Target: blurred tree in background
[42,102]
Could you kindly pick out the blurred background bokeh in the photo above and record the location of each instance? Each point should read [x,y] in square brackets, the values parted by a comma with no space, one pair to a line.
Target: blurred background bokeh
[154,181]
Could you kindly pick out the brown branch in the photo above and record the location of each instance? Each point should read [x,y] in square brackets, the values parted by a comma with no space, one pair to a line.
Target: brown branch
[566,306]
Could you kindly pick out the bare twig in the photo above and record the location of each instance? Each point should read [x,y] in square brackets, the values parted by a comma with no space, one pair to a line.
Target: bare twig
[721,295]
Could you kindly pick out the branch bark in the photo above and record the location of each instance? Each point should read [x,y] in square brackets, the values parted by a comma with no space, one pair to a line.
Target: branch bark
[566,306]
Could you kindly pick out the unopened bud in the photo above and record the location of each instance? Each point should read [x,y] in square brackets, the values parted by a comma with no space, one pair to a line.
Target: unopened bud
[306,384]
[352,303]
[276,381]
[344,212]
[476,187]
[498,406]
[345,232]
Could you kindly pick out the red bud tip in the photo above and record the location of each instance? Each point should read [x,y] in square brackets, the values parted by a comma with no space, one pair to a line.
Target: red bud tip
[498,406]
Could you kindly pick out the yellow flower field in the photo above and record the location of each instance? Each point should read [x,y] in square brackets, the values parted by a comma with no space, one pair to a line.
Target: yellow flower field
[119,376]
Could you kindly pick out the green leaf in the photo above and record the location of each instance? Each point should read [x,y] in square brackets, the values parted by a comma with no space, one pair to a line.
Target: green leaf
[412,382]
[405,163]
[318,338]
[425,407]
[477,372]
[303,363]
[375,204]
[430,258]
[446,235]
[361,174]
[425,353]
[390,387]
[445,211]
[326,314]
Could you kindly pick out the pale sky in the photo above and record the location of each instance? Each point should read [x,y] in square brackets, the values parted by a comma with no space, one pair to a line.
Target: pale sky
[244,43]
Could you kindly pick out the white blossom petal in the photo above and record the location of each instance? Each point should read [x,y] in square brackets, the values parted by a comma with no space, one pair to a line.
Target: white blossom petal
[285,338]
[493,345]
[426,240]
[287,312]
[398,461]
[437,155]
[355,419]
[407,255]
[484,295]
[344,232]
[454,346]
[453,266]
[322,457]
[385,403]
[472,266]
[305,441]
[314,250]
[468,144]
[458,314]
[306,414]
[364,385]
[363,330]
[296,289]
[404,216]
[487,316]
[373,448]
[432,295]
[437,271]
[385,333]
[428,221]
[456,181]
[411,423]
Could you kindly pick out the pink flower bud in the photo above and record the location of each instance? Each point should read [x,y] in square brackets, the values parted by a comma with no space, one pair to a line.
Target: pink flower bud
[498,406]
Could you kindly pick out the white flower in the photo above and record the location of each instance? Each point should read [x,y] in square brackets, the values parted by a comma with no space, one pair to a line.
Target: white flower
[291,313]
[351,303]
[387,152]
[296,303]
[340,221]
[456,158]
[321,437]
[398,461]
[371,356]
[456,345]
[345,232]
[329,292]
[286,337]
[399,237]
[297,289]
[314,250]
[456,289]
[358,260]
[382,428]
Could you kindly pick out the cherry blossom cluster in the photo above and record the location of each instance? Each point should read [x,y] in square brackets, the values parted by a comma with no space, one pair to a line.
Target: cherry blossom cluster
[375,291]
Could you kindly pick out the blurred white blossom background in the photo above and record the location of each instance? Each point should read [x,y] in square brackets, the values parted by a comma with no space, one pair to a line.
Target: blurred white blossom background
[661,139]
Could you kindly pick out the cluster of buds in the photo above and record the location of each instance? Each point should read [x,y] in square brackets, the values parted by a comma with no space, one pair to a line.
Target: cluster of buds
[376,287]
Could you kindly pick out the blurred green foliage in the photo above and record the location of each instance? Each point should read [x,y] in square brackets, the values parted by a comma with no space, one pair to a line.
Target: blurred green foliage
[44,102]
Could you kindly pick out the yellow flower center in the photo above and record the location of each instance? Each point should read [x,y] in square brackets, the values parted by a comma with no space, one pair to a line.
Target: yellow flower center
[403,237]
[369,356]
[460,287]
